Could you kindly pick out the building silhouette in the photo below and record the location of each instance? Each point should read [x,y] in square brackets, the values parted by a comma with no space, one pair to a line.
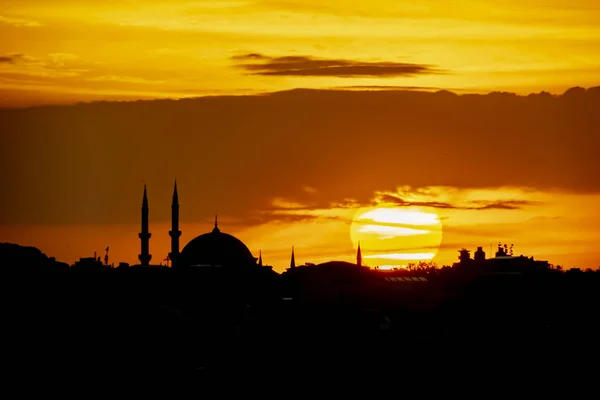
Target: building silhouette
[175,233]
[503,262]
[145,234]
[293,259]
[212,249]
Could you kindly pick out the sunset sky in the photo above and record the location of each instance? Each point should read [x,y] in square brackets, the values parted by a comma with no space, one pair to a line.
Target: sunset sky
[287,167]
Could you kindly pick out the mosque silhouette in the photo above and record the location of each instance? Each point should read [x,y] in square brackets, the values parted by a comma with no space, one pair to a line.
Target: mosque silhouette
[212,249]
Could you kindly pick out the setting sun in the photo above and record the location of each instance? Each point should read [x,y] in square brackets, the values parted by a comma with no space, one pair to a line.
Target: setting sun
[393,236]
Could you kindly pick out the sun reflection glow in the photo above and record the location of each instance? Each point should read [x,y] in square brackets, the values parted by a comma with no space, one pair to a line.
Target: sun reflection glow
[391,237]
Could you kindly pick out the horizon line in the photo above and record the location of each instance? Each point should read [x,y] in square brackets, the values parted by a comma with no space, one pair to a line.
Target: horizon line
[336,89]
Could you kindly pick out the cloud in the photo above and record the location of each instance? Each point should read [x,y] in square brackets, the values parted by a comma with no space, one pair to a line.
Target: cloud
[13,58]
[23,66]
[473,205]
[125,79]
[503,205]
[249,56]
[59,59]
[259,64]
[235,154]
[18,22]
[52,60]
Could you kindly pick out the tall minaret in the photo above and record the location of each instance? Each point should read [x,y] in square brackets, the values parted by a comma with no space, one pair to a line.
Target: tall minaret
[293,260]
[260,264]
[175,233]
[145,235]
[358,256]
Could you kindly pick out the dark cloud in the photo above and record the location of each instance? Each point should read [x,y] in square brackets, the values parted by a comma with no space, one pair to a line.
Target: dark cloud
[312,66]
[503,205]
[86,164]
[12,58]
[387,198]
[51,61]
[249,56]
[474,205]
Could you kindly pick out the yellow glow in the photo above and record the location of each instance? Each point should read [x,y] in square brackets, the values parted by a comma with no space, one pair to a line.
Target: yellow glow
[562,229]
[390,267]
[387,232]
[401,216]
[403,256]
[395,236]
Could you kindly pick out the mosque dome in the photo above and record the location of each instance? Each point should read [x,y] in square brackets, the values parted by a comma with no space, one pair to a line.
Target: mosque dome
[216,249]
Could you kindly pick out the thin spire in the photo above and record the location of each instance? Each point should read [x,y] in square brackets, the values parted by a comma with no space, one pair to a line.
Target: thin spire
[175,196]
[145,234]
[293,260]
[358,256]
[145,199]
[175,233]
[216,229]
[260,262]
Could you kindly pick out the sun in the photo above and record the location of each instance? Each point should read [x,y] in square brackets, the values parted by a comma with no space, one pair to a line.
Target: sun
[395,236]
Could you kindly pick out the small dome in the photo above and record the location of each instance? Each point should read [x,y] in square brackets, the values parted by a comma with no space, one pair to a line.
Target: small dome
[216,249]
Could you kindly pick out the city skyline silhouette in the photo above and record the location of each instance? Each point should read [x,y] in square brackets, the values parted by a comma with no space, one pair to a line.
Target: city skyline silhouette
[280,190]
[89,174]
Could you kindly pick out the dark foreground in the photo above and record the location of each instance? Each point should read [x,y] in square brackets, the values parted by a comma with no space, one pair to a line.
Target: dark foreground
[92,324]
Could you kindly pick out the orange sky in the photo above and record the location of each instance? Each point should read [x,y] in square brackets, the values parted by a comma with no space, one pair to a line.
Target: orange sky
[294,168]
[68,49]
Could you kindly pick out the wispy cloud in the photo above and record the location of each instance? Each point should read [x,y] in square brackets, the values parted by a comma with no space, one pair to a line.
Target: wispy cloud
[124,79]
[59,59]
[53,65]
[472,205]
[259,64]
[14,58]
[19,22]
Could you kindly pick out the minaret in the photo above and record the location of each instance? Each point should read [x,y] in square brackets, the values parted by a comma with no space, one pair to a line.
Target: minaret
[293,260]
[175,233]
[260,264]
[144,235]
[358,256]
